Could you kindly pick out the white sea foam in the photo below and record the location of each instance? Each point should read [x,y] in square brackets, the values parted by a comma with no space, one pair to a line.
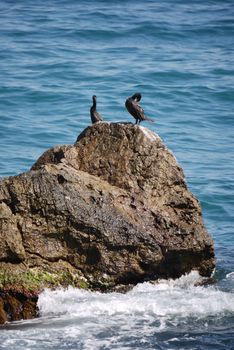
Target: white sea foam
[166,299]
[78,319]
[230,275]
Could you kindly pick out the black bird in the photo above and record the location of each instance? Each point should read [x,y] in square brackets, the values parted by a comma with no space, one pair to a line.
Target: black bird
[135,110]
[95,116]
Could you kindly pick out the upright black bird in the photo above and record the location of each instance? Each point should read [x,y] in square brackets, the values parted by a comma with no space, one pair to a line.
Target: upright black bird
[134,109]
[95,116]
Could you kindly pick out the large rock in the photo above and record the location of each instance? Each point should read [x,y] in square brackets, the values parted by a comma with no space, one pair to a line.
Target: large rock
[114,209]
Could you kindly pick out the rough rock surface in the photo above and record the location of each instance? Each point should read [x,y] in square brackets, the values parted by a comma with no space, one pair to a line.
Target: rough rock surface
[15,306]
[112,210]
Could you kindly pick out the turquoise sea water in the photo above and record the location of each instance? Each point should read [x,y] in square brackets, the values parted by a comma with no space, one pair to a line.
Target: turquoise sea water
[179,54]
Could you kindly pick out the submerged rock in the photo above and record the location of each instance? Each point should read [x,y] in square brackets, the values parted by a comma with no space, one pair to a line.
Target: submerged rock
[112,210]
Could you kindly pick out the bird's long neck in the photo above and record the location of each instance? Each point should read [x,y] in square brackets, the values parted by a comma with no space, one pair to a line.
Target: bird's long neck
[94,103]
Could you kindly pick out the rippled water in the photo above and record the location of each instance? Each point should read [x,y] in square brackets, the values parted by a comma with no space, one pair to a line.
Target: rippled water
[179,54]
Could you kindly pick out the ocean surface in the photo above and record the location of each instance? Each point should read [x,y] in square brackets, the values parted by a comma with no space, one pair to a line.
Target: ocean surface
[54,55]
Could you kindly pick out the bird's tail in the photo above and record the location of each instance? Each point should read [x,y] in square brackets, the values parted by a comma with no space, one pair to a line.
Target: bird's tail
[149,119]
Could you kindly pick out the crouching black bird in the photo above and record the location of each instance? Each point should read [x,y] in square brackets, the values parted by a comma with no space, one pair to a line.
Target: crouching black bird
[135,110]
[95,116]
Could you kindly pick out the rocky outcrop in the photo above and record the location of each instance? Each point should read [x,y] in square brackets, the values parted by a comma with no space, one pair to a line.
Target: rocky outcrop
[15,306]
[112,210]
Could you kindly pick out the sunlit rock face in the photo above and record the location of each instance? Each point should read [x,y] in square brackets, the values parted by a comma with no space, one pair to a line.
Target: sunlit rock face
[111,210]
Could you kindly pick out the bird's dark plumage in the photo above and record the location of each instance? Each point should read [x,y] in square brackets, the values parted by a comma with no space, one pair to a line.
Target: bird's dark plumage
[95,116]
[134,109]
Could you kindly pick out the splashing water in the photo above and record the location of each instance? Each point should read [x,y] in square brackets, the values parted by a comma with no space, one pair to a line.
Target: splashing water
[165,313]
